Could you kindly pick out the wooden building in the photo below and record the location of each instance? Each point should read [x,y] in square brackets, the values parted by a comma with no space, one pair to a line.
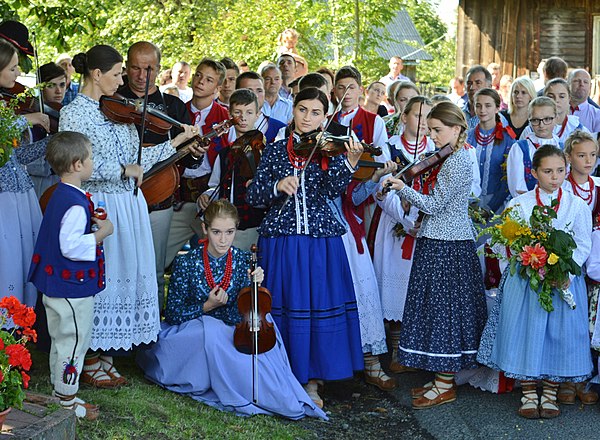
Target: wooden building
[517,34]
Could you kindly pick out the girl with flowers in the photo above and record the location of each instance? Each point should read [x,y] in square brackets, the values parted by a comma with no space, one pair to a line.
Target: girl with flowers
[195,354]
[492,142]
[528,337]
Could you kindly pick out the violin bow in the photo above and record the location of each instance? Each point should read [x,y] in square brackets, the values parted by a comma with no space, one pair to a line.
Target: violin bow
[314,148]
[144,112]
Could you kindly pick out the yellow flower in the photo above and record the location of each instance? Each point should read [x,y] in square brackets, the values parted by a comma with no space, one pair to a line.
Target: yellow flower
[510,229]
[552,259]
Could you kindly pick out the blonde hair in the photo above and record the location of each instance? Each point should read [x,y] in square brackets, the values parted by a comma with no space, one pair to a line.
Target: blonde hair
[529,87]
[578,137]
[65,148]
[542,101]
[451,115]
[221,208]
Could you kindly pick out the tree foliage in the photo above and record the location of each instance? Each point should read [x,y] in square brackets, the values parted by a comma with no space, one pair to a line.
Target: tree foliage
[247,29]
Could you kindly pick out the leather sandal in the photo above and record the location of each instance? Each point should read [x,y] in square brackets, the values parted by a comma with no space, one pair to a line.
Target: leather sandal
[378,378]
[110,370]
[82,409]
[311,390]
[587,395]
[419,391]
[548,405]
[566,393]
[529,407]
[94,376]
[443,396]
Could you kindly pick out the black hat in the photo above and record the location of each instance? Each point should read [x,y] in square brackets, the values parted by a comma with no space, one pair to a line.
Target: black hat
[17,34]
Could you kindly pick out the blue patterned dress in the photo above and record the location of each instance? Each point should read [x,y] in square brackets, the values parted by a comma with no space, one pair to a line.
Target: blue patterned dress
[195,355]
[306,267]
[20,219]
[445,310]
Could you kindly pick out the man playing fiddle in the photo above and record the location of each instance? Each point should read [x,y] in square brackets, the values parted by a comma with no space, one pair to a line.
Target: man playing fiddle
[141,56]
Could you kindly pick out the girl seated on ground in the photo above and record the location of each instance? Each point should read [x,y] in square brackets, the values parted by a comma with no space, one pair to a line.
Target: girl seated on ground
[195,354]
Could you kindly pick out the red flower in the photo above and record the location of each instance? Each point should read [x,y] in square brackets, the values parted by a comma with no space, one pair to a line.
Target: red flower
[25,317]
[11,304]
[1,377]
[49,270]
[36,258]
[92,273]
[534,256]
[26,378]
[80,274]
[1,344]
[30,333]
[66,274]
[18,356]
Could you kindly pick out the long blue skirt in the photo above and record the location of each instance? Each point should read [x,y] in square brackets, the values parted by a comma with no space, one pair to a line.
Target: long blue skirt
[445,310]
[198,359]
[314,305]
[528,343]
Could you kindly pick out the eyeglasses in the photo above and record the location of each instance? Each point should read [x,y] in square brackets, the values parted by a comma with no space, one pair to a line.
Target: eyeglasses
[537,121]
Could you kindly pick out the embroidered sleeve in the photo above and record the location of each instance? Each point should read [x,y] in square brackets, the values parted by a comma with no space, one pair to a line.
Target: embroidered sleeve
[31,152]
[182,304]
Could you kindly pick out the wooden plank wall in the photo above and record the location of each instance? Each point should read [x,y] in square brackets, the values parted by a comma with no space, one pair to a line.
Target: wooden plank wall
[517,34]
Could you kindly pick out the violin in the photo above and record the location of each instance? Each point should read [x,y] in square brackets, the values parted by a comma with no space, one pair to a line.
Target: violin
[254,334]
[425,164]
[26,104]
[247,151]
[161,181]
[329,145]
[129,111]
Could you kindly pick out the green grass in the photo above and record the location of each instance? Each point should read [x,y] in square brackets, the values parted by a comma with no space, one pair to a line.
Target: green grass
[145,411]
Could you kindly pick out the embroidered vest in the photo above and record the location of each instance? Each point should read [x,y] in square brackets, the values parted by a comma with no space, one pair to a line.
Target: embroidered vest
[529,179]
[52,273]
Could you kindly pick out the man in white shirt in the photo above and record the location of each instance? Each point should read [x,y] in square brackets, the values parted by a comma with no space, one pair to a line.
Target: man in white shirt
[180,73]
[275,106]
[580,84]
[396,65]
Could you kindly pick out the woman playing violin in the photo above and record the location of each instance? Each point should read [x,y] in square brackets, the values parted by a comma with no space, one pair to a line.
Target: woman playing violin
[21,215]
[201,314]
[126,312]
[306,266]
[55,77]
[236,164]
[445,310]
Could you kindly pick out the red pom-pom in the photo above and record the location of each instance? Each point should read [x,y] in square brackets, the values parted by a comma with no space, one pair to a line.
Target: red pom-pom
[101,263]
[79,275]
[36,258]
[66,274]
[92,273]
[49,269]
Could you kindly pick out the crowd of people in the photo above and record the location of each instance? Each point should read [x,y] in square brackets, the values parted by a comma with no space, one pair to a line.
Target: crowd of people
[358,258]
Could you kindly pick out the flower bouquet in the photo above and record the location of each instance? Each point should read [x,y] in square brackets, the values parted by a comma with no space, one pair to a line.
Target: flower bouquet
[15,359]
[538,251]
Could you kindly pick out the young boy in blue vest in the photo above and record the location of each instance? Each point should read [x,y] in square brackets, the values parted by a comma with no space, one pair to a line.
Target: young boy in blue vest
[68,266]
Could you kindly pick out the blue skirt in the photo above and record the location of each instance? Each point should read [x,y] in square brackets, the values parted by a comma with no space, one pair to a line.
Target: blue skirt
[215,373]
[528,343]
[314,305]
[445,309]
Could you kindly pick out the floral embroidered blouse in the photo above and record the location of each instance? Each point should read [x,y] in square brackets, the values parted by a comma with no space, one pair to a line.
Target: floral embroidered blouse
[113,145]
[188,288]
[307,212]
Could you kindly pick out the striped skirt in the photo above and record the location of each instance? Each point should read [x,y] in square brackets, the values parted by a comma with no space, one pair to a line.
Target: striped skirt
[528,343]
